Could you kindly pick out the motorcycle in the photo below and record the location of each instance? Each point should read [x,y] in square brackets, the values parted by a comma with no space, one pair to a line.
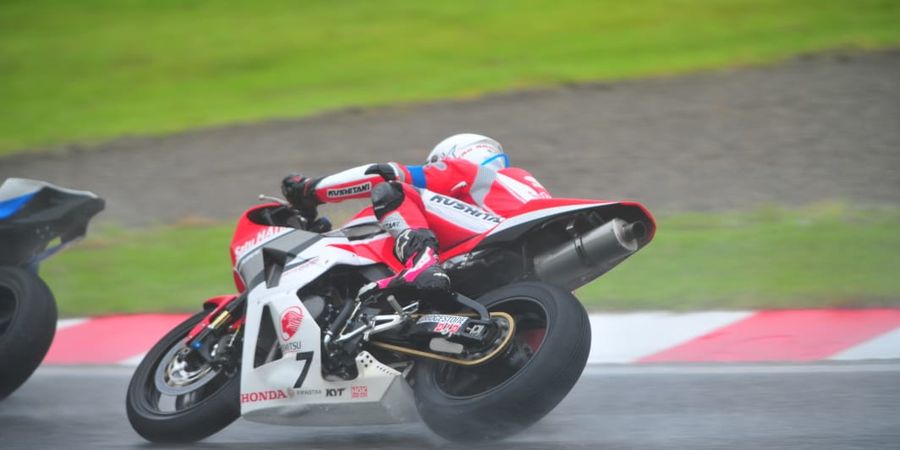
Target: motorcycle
[303,342]
[37,220]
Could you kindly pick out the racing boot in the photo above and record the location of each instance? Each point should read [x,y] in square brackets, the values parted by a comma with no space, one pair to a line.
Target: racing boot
[417,250]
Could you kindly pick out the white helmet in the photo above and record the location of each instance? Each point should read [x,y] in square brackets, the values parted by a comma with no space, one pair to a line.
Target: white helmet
[475,148]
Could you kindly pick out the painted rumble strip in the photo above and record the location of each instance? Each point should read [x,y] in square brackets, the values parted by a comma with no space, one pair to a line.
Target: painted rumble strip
[805,335]
[625,338]
[109,339]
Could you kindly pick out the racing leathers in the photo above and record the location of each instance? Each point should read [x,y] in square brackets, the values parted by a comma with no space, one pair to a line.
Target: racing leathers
[425,208]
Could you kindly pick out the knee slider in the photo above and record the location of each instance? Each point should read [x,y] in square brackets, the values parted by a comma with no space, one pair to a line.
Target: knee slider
[386,197]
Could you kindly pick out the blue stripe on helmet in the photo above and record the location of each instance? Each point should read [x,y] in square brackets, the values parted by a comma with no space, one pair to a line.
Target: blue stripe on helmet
[499,155]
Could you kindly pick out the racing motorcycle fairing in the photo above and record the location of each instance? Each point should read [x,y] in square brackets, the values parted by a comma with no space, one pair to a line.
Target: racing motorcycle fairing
[364,239]
[532,215]
[539,211]
[276,264]
[543,227]
[33,213]
[566,242]
[284,389]
[271,390]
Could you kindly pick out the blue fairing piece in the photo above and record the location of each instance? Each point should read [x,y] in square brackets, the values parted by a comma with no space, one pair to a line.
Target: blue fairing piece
[10,207]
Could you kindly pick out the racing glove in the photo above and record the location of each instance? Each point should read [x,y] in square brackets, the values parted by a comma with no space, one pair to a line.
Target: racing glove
[300,191]
[385,170]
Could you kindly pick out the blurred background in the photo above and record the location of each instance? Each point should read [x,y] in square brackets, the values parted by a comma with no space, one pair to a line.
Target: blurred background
[765,135]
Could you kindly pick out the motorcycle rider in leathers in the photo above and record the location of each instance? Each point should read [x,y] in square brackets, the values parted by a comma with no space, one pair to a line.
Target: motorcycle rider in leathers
[465,188]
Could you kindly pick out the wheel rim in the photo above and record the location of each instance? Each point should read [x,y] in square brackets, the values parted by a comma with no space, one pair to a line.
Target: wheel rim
[181,380]
[461,382]
[178,374]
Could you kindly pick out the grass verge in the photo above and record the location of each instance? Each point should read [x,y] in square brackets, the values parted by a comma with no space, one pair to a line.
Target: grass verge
[824,255]
[820,256]
[96,69]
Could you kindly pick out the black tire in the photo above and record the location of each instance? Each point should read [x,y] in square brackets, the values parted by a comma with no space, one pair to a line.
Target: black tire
[27,326]
[500,398]
[213,405]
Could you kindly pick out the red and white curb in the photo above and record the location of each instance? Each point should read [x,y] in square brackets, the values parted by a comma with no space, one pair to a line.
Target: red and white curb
[622,338]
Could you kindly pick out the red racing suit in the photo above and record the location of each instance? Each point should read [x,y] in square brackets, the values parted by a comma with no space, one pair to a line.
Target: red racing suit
[455,198]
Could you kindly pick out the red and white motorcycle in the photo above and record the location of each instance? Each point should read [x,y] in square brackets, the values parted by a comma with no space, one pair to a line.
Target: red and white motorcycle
[299,346]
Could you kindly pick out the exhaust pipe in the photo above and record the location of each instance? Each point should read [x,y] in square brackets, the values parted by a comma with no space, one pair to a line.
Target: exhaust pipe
[634,231]
[585,257]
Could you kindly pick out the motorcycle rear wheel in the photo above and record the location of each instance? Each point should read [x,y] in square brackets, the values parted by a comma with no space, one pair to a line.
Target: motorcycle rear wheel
[179,400]
[27,326]
[520,386]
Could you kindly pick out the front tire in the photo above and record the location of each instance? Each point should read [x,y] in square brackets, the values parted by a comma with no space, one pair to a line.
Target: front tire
[176,400]
[27,326]
[520,386]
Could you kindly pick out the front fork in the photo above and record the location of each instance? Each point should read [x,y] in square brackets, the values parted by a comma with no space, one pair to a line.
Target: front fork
[226,318]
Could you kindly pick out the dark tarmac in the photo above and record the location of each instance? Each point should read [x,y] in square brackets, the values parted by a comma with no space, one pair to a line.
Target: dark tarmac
[810,406]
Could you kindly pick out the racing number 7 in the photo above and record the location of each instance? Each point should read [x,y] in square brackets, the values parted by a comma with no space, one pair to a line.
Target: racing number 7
[306,357]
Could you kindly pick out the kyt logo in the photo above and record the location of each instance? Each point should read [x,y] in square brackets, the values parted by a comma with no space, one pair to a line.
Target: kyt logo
[334,392]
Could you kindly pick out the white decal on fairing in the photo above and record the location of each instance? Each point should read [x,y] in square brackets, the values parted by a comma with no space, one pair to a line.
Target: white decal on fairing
[528,217]
[267,234]
[520,190]
[535,183]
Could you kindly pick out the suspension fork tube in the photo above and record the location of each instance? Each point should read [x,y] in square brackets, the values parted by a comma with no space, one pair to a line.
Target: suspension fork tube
[341,321]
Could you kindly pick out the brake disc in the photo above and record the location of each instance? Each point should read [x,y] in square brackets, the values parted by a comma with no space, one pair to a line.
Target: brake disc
[176,376]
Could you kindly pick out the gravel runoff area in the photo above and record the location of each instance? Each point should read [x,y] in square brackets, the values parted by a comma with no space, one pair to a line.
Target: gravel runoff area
[820,127]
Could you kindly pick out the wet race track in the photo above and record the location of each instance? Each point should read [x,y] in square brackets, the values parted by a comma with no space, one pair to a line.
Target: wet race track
[810,406]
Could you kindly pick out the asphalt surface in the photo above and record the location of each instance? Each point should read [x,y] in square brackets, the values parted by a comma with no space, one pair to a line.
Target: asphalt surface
[811,406]
[816,128]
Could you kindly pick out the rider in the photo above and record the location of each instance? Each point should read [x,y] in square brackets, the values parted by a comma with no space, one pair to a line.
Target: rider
[465,188]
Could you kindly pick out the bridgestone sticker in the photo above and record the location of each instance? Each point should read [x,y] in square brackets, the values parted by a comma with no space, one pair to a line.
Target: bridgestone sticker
[446,324]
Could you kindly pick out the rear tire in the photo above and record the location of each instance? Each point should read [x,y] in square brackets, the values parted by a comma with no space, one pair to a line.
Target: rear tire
[196,414]
[27,326]
[502,397]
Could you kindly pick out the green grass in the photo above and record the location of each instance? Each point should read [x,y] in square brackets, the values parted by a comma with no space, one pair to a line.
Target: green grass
[166,269]
[91,70]
[823,255]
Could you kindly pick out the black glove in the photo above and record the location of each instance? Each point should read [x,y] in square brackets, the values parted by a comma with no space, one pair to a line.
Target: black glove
[300,191]
[385,170]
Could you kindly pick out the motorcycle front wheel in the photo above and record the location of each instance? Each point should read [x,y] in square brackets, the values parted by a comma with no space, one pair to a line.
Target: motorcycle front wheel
[27,326]
[520,386]
[176,396]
